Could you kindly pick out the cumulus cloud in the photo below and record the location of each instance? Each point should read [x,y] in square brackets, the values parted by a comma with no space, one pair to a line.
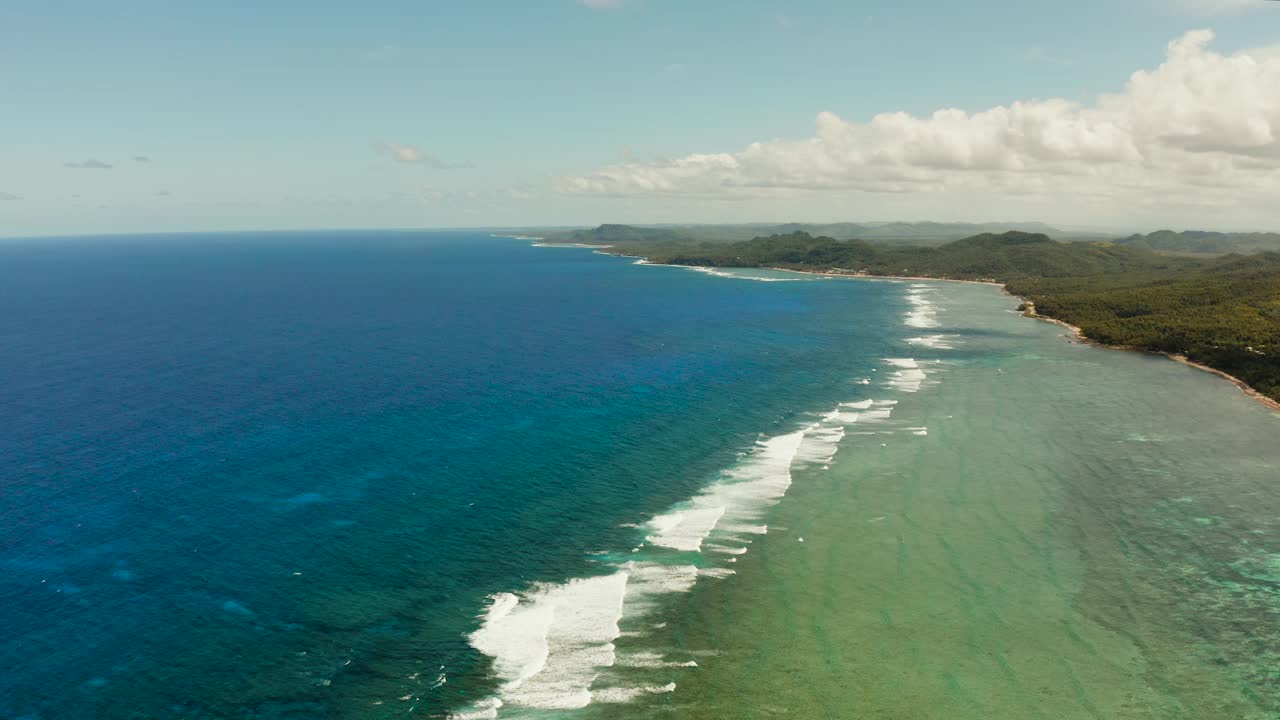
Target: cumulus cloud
[1201,122]
[89,164]
[414,155]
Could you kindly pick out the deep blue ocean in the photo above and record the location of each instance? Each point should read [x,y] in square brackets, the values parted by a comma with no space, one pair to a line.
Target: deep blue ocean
[280,475]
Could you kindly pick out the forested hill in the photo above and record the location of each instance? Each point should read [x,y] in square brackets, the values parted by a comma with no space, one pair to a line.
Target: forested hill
[1220,311]
[1199,241]
[981,257]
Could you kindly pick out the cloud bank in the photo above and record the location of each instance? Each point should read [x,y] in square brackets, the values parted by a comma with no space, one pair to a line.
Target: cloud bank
[1202,126]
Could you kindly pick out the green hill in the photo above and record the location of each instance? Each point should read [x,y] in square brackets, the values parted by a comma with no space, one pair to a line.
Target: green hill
[1200,241]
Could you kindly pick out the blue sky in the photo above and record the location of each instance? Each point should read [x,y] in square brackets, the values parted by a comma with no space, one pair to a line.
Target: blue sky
[244,115]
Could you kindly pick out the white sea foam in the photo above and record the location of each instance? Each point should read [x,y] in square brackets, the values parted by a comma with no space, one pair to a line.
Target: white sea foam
[549,644]
[909,377]
[923,313]
[741,496]
[879,413]
[823,442]
[552,645]
[934,342]
[486,709]
[651,580]
[651,660]
[738,276]
[685,529]
[745,529]
[626,695]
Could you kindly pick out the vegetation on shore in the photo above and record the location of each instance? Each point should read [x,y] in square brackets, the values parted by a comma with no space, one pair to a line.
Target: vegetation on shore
[1198,241]
[1223,312]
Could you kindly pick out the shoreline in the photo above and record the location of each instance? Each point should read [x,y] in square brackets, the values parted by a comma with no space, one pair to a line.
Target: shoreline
[1243,386]
[587,246]
[865,276]
[1030,312]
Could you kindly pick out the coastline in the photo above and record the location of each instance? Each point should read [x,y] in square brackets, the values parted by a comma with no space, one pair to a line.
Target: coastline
[1029,311]
[1080,336]
[1243,386]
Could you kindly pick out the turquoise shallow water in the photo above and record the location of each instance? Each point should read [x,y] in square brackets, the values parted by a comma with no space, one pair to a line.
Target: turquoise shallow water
[1083,533]
[374,475]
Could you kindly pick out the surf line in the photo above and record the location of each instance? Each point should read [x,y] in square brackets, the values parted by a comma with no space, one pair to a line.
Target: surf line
[552,645]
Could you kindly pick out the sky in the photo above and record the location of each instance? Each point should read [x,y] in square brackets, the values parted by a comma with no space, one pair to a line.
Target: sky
[1110,114]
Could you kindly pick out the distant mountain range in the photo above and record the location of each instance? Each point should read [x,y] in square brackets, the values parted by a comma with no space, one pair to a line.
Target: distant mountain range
[916,233]
[912,233]
[1202,241]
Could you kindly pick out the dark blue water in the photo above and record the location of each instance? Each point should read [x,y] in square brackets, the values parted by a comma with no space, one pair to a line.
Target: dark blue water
[276,476]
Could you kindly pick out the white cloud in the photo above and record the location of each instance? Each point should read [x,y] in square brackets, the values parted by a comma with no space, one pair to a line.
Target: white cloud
[89,164]
[602,4]
[1202,126]
[8,196]
[414,155]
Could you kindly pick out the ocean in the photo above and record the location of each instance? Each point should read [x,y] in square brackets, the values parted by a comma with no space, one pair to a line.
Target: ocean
[410,474]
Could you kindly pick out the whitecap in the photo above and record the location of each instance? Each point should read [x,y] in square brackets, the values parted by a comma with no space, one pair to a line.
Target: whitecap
[552,646]
[685,529]
[934,342]
[740,276]
[625,695]
[909,377]
[548,645]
